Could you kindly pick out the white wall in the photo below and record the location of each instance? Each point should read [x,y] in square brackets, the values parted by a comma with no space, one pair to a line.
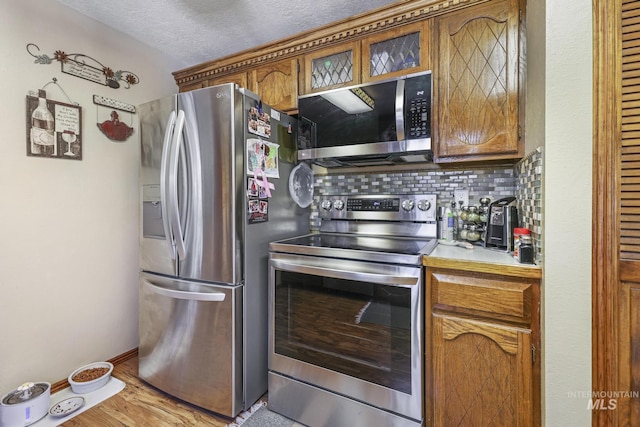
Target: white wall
[68,229]
[567,193]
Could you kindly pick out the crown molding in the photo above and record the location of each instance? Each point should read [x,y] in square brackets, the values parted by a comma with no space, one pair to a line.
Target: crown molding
[354,28]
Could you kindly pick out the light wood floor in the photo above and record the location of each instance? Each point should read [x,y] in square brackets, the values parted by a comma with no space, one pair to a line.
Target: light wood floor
[141,405]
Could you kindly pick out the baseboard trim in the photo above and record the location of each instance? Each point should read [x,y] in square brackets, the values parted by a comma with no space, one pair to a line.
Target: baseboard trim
[62,384]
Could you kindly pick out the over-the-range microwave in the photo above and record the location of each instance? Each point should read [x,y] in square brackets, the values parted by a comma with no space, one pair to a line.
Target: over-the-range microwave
[370,124]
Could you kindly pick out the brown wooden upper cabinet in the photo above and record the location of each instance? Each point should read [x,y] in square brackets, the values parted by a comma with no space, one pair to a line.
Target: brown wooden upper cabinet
[238,78]
[192,86]
[475,51]
[397,52]
[332,67]
[277,84]
[477,83]
[392,53]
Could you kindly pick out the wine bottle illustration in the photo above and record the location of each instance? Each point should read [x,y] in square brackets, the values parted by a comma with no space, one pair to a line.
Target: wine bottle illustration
[42,126]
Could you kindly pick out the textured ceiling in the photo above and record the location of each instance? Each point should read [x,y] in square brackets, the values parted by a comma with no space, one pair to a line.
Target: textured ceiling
[196,31]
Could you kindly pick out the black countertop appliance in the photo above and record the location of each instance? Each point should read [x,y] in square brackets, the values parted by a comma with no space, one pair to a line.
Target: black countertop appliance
[503,217]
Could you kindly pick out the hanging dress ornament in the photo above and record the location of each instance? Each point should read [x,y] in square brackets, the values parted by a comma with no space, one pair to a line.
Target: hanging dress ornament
[114,129]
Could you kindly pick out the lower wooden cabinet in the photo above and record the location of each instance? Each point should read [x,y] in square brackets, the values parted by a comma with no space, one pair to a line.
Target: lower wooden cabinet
[482,337]
[481,374]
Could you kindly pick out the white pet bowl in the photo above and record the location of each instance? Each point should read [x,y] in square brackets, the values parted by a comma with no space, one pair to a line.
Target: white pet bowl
[81,387]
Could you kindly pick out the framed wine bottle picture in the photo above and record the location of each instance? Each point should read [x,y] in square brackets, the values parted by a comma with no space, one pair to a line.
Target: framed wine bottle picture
[53,128]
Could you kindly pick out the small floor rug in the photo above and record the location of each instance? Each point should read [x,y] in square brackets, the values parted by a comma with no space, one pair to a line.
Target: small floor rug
[111,388]
[260,416]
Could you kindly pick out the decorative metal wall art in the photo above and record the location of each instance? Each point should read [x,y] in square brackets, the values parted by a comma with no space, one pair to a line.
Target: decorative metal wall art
[114,129]
[76,65]
[54,129]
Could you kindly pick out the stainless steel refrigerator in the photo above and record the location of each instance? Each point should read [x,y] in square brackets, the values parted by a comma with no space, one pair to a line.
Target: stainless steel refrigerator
[209,158]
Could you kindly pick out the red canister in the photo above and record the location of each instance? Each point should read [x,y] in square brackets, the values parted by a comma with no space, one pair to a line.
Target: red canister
[517,232]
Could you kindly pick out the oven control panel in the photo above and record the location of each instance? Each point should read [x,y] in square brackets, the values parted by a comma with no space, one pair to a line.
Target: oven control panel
[406,207]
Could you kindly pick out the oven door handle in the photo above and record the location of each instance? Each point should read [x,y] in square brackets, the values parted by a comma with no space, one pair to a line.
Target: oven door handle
[390,279]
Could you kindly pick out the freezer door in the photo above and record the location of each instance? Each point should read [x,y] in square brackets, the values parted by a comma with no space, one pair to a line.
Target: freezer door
[190,341]
[157,123]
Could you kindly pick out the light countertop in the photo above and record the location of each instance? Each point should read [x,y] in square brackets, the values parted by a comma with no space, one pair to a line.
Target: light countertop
[479,259]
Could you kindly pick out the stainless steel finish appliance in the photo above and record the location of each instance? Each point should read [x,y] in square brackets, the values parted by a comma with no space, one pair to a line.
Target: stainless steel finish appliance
[205,227]
[503,218]
[346,313]
[371,124]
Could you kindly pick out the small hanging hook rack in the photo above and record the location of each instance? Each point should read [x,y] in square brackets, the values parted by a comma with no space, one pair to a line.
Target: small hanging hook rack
[112,103]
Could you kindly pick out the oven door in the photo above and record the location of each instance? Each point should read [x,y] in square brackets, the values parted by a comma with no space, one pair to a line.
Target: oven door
[350,327]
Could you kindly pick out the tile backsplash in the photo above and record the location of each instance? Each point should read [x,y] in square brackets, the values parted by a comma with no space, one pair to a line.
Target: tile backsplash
[529,172]
[524,180]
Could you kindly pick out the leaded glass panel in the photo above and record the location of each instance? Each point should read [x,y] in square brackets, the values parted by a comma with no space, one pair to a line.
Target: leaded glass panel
[395,54]
[332,70]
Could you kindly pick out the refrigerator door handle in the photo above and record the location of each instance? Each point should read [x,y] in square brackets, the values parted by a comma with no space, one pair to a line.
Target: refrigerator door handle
[192,210]
[185,295]
[174,157]
[164,195]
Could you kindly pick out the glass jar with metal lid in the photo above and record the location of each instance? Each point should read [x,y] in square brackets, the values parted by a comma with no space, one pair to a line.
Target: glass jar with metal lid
[473,215]
[483,214]
[464,213]
[473,235]
[462,234]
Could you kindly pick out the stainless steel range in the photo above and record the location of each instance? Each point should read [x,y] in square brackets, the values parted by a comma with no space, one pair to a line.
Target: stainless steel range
[346,313]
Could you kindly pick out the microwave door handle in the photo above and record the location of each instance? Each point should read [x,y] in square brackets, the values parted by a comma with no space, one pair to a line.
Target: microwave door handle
[174,209]
[400,110]
[164,194]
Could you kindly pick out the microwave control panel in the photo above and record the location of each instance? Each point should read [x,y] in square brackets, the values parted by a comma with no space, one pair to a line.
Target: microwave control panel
[418,107]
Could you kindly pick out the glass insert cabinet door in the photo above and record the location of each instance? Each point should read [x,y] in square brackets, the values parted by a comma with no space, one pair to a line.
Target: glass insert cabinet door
[333,67]
[332,70]
[383,55]
[396,52]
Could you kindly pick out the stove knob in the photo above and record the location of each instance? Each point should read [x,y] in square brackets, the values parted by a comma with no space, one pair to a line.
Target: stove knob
[424,205]
[407,205]
[326,205]
[338,205]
